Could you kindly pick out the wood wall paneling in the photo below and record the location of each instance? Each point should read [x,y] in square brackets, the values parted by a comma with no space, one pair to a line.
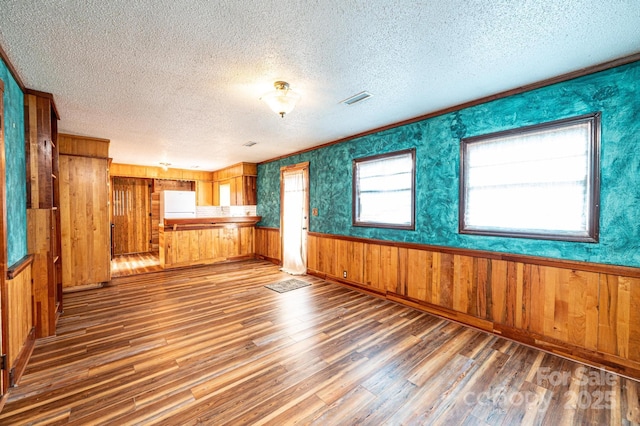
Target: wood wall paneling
[20,313]
[83,146]
[587,314]
[86,250]
[151,172]
[20,325]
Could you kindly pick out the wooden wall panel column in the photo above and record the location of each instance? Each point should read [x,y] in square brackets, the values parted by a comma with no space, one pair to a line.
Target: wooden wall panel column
[84,199]
[43,226]
[584,311]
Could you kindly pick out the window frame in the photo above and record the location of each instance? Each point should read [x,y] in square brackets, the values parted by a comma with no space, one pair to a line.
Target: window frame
[591,233]
[354,193]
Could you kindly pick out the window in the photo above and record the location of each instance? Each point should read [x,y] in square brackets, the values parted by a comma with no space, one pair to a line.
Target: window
[225,194]
[383,190]
[536,182]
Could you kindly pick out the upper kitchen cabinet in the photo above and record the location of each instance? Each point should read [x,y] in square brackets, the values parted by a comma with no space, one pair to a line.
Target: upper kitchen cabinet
[84,211]
[204,193]
[238,183]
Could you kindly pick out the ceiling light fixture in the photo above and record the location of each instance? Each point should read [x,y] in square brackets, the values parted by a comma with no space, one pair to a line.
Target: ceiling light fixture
[165,166]
[282,100]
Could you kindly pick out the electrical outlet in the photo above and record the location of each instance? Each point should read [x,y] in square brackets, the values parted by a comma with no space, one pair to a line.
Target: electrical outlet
[344,274]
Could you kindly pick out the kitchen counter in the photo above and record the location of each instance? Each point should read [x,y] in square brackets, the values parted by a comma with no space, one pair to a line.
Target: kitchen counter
[204,221]
[206,240]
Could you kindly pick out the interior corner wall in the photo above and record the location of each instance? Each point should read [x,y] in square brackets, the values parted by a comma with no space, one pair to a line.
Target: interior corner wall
[615,92]
[15,171]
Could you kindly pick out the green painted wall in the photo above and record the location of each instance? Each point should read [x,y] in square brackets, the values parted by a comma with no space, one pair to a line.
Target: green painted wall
[15,171]
[614,92]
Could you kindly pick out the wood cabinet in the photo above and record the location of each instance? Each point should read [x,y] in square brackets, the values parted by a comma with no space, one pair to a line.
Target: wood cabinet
[201,241]
[204,193]
[84,212]
[43,203]
[241,178]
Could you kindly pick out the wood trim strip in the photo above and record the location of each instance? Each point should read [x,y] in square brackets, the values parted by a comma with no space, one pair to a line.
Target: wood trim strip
[4,308]
[12,69]
[515,91]
[298,166]
[268,228]
[84,156]
[22,264]
[351,284]
[627,271]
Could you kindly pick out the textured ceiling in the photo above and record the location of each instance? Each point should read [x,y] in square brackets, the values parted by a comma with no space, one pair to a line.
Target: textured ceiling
[180,81]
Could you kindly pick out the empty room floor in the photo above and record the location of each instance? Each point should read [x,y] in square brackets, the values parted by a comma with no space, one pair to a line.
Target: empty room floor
[212,345]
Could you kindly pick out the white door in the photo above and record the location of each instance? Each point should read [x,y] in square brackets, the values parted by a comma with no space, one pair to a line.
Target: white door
[294,217]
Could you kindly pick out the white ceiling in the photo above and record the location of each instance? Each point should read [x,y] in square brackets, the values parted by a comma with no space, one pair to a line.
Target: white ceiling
[180,81]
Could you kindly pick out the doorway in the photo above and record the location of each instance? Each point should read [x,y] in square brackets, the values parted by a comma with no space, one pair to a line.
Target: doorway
[294,217]
[131,221]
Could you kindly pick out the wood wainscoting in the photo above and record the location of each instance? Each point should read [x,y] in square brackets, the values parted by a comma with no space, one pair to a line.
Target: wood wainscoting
[584,311]
[20,327]
[268,244]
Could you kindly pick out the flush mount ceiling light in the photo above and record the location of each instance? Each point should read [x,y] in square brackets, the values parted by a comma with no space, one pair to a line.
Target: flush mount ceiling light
[165,166]
[282,100]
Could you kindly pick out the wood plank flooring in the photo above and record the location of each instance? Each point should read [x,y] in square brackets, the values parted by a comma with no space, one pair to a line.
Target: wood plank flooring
[134,264]
[211,345]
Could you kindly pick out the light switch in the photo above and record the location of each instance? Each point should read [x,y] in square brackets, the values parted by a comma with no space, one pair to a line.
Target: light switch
[314,211]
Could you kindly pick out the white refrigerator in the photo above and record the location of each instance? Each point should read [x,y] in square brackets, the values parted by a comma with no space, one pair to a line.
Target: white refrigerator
[177,205]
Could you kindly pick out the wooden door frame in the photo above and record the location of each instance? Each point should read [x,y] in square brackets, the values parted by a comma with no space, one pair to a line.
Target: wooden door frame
[305,169]
[3,253]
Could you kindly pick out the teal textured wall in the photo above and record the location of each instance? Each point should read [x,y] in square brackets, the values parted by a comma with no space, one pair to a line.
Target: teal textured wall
[15,171]
[614,92]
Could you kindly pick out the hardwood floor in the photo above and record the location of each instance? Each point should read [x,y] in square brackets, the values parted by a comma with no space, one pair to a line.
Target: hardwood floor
[212,345]
[134,264]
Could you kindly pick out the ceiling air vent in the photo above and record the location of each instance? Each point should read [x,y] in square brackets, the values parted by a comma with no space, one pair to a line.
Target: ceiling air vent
[250,143]
[356,98]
